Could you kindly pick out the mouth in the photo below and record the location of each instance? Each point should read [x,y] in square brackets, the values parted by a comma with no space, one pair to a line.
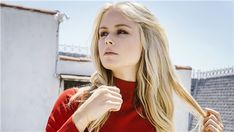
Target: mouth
[110,53]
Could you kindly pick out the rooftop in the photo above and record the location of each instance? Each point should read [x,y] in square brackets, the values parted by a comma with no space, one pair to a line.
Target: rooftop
[29,8]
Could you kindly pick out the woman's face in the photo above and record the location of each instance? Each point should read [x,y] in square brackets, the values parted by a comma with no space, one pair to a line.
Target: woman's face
[119,41]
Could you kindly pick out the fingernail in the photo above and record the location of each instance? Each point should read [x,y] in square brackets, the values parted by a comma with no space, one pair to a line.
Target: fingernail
[207,108]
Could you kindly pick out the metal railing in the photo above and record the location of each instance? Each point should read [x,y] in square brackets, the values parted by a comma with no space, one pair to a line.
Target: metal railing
[198,74]
[73,49]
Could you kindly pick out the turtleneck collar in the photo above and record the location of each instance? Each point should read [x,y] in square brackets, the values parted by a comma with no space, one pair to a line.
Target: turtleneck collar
[124,84]
[127,89]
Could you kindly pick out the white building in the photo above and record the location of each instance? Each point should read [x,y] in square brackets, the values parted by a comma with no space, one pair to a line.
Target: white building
[33,74]
[29,39]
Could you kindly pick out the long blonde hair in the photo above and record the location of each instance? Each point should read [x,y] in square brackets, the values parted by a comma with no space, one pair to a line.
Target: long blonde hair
[156,76]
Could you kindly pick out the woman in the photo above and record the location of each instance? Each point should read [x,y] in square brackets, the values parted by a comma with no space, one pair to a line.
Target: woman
[134,80]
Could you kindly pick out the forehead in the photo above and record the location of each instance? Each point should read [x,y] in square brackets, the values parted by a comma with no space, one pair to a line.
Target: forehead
[113,17]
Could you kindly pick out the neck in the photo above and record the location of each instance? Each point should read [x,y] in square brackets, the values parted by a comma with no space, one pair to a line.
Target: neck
[125,74]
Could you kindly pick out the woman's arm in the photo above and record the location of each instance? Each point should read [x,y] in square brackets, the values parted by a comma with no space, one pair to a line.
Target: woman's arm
[74,119]
[60,118]
[102,100]
[80,121]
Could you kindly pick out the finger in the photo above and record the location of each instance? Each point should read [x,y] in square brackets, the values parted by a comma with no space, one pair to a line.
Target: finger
[216,113]
[213,123]
[114,98]
[214,119]
[112,88]
[210,117]
[114,93]
[217,121]
[113,106]
[105,90]
[211,128]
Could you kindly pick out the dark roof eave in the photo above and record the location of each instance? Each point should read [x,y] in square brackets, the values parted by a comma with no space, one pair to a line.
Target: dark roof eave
[183,67]
[28,8]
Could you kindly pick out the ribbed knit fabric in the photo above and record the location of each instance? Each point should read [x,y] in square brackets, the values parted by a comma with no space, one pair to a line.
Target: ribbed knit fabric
[124,120]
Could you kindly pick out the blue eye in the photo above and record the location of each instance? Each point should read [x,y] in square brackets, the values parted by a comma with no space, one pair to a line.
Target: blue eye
[122,32]
[103,34]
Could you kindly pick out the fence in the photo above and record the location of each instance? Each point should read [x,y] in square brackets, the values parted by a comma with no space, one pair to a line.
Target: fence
[198,74]
[74,49]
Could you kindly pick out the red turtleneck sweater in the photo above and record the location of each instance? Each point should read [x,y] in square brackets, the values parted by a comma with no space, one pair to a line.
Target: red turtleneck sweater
[124,120]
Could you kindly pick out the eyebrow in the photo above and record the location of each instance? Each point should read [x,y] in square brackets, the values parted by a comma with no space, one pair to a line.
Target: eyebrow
[117,25]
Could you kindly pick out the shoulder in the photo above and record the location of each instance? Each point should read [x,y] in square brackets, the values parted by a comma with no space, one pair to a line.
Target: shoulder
[67,94]
[65,98]
[62,110]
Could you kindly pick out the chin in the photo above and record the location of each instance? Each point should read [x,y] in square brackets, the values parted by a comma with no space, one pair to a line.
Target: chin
[109,66]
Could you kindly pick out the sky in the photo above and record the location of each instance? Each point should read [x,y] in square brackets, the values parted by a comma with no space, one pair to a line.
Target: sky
[200,33]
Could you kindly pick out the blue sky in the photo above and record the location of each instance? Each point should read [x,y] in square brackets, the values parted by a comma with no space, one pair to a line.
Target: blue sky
[200,33]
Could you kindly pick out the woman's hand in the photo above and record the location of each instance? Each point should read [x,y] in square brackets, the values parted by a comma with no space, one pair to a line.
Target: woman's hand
[213,121]
[102,100]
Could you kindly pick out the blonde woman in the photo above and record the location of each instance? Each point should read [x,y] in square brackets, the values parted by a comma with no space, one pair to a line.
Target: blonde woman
[134,80]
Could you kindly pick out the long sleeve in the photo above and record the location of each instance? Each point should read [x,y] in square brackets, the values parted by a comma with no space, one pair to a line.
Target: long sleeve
[60,119]
[127,119]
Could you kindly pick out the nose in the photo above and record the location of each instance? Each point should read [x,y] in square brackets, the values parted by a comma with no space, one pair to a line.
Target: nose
[109,41]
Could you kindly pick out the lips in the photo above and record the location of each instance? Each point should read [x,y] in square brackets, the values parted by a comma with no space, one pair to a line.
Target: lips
[110,53]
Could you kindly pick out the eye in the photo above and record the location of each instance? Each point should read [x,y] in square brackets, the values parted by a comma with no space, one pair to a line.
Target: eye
[120,31]
[104,33]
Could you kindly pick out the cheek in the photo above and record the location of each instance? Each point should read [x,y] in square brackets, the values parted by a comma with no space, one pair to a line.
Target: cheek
[136,46]
[137,52]
[133,50]
[100,47]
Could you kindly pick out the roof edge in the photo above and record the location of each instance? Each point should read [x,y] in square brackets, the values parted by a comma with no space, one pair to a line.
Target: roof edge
[183,67]
[79,59]
[28,8]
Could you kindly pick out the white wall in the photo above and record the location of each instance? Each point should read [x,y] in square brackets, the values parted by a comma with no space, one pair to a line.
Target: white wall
[76,68]
[181,110]
[29,87]
[1,77]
